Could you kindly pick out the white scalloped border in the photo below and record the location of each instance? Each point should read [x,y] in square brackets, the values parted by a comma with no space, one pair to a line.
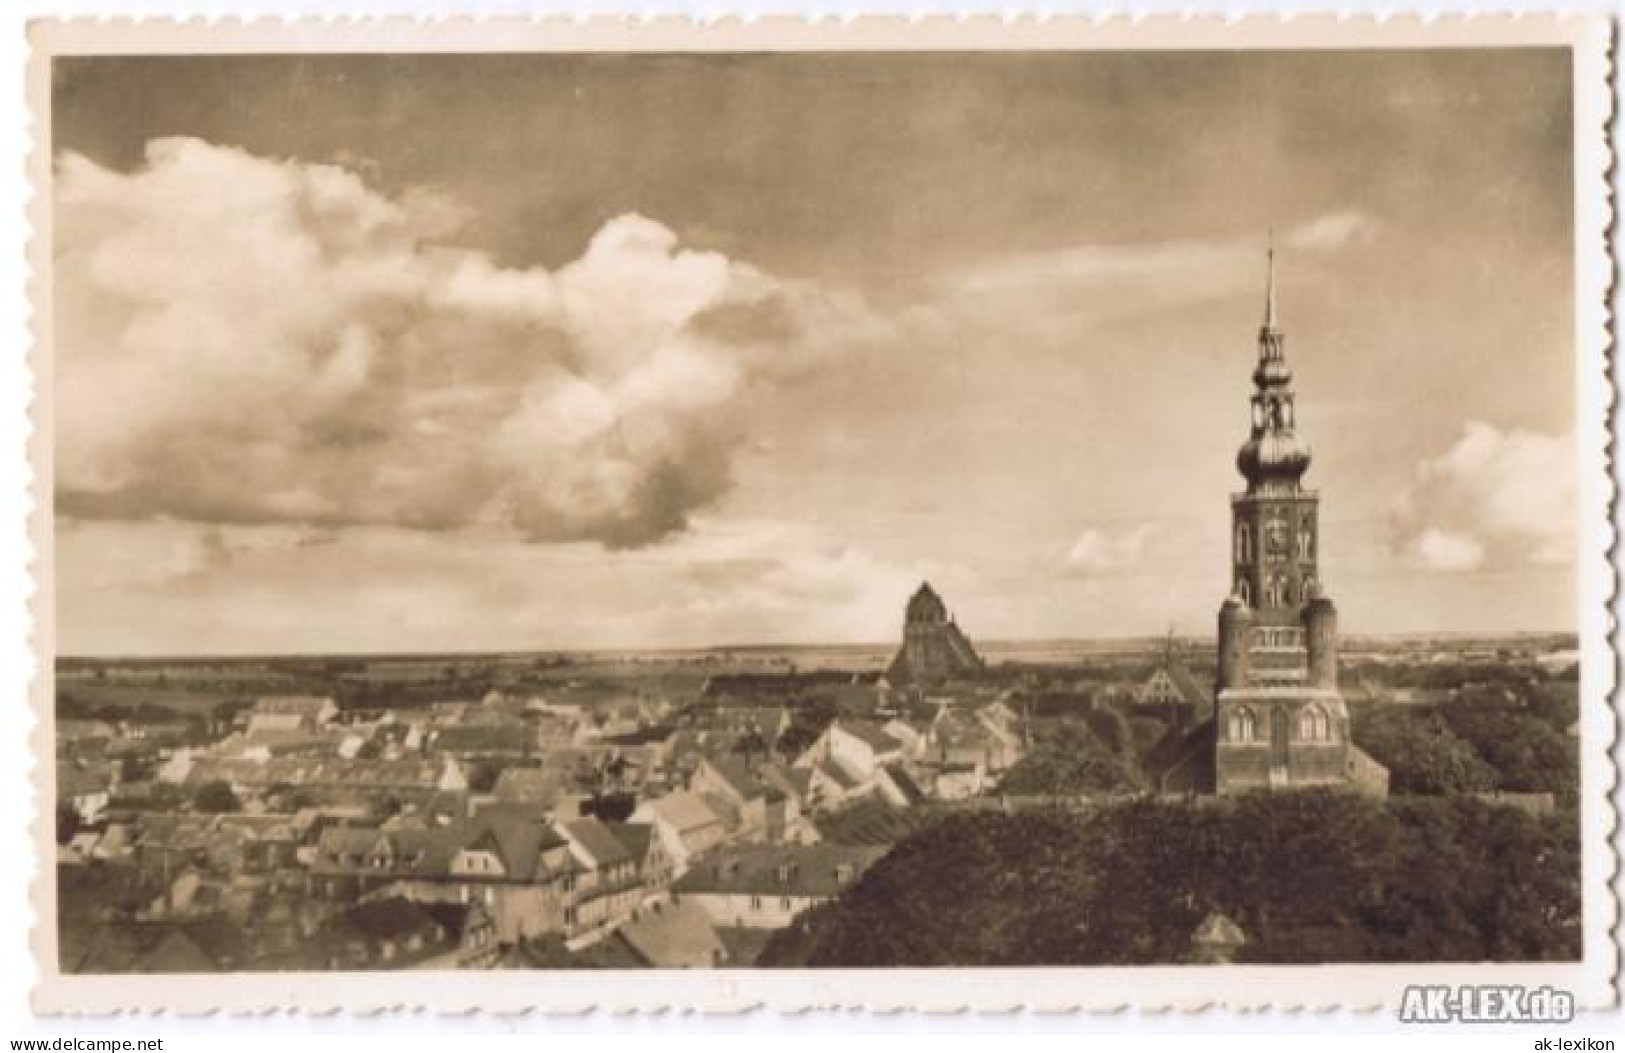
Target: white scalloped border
[1361,989]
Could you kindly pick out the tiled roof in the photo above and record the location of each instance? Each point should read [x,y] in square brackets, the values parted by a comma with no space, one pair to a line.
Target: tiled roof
[412,853]
[297,705]
[838,774]
[1189,689]
[674,936]
[635,837]
[389,918]
[873,822]
[519,842]
[746,779]
[531,785]
[684,810]
[483,738]
[75,782]
[872,734]
[79,729]
[329,772]
[1216,928]
[905,783]
[597,841]
[780,870]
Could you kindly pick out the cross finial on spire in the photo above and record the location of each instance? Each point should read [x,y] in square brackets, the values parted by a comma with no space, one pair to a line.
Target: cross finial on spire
[1269,295]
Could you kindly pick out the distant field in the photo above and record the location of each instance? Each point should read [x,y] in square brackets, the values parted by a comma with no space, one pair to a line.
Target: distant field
[192,685]
[183,700]
[745,657]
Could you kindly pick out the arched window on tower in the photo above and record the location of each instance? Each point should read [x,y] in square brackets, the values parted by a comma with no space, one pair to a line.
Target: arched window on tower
[1314,725]
[1242,726]
[1306,538]
[1244,544]
[1244,591]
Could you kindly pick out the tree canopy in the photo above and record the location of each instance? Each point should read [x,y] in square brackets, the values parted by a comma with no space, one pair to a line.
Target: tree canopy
[1421,753]
[216,797]
[1074,758]
[1308,876]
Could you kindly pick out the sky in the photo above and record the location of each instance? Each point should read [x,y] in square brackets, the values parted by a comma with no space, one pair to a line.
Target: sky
[405,353]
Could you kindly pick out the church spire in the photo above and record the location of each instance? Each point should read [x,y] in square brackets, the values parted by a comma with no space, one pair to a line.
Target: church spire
[1273,454]
[1269,289]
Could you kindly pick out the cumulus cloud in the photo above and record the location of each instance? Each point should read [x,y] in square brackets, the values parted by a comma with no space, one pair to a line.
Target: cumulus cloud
[1095,283]
[244,340]
[1098,551]
[1441,550]
[137,588]
[1494,499]
[1332,231]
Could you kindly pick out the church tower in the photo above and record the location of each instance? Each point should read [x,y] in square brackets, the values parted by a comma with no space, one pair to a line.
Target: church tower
[1279,720]
[934,649]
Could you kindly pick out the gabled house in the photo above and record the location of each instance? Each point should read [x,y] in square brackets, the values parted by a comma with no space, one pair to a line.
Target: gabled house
[397,933]
[291,713]
[334,777]
[760,798]
[648,852]
[167,844]
[1171,683]
[86,788]
[606,889]
[674,936]
[686,824]
[858,747]
[966,751]
[508,740]
[769,886]
[354,861]
[854,760]
[540,788]
[261,844]
[523,872]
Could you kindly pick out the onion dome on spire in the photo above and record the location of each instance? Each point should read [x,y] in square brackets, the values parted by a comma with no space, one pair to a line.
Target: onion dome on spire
[1273,453]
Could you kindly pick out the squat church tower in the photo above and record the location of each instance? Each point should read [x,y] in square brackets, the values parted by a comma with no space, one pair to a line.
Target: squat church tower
[934,649]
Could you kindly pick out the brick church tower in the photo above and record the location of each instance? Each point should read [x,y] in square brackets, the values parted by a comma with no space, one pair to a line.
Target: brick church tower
[934,649]
[1279,720]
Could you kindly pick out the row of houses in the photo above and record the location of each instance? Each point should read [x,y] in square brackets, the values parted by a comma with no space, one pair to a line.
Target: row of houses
[489,830]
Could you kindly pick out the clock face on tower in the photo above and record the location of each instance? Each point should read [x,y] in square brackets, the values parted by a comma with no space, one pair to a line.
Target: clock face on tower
[1277,543]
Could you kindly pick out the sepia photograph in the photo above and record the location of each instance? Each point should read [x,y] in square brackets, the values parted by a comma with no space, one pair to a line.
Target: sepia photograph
[817,509]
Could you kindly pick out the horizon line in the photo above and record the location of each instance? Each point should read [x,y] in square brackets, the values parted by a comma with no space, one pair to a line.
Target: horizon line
[246,656]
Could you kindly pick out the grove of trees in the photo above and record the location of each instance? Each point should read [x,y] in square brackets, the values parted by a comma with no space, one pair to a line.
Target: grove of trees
[1310,876]
[1072,757]
[1472,746]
